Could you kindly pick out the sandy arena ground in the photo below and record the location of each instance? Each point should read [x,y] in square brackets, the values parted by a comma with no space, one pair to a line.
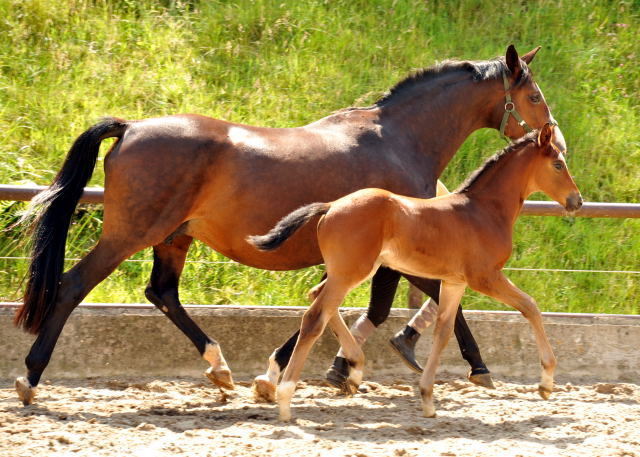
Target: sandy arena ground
[188,417]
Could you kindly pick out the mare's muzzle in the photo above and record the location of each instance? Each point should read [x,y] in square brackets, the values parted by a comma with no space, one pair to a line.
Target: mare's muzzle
[574,202]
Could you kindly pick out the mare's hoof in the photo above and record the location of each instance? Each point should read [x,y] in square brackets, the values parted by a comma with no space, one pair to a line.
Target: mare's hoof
[264,391]
[544,392]
[481,379]
[221,378]
[404,346]
[338,376]
[26,393]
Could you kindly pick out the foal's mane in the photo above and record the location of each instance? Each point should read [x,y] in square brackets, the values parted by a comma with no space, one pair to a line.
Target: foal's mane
[513,148]
[481,70]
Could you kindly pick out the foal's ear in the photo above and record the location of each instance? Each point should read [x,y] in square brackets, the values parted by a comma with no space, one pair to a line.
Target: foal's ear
[528,57]
[545,134]
[513,61]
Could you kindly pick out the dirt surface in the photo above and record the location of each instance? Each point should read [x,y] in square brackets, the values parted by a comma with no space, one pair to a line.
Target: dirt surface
[125,417]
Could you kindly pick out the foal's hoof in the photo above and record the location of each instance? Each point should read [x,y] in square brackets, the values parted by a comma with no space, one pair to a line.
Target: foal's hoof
[221,378]
[26,393]
[338,376]
[481,379]
[545,392]
[264,391]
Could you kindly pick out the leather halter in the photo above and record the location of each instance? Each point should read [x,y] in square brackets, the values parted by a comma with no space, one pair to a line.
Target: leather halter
[510,110]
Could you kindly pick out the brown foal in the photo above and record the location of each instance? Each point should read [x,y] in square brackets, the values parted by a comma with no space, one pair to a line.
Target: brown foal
[463,238]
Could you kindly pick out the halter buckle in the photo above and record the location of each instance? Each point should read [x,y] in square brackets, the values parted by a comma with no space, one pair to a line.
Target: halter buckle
[509,107]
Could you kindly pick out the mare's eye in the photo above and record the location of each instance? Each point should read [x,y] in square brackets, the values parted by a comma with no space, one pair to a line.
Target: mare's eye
[558,165]
[535,98]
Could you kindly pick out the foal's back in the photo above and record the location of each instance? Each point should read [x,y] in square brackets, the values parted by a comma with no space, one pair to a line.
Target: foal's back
[445,237]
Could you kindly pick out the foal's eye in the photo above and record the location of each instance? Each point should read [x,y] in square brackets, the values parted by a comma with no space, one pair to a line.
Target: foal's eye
[535,98]
[558,165]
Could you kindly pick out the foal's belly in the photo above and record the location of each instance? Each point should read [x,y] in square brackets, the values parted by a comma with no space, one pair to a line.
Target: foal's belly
[419,264]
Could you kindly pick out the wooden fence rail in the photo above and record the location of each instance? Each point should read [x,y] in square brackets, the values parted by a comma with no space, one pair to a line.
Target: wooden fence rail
[531,208]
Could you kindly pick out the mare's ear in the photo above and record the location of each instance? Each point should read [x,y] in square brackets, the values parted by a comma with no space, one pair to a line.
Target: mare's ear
[545,134]
[513,62]
[528,57]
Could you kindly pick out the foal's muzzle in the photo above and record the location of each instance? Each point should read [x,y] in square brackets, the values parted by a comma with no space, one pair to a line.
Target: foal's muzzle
[574,202]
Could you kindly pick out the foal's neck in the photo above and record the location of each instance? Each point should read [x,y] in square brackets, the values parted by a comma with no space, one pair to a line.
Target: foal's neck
[505,186]
[440,114]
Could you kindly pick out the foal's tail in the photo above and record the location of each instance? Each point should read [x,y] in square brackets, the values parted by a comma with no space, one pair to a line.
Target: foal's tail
[287,226]
[50,213]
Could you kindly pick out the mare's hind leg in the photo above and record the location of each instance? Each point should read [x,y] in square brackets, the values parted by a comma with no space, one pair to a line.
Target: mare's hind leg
[75,285]
[162,291]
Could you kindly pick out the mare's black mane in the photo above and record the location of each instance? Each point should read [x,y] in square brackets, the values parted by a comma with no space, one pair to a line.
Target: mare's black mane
[481,70]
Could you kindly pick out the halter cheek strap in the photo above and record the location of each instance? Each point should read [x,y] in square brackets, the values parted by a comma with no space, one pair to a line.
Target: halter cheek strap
[510,110]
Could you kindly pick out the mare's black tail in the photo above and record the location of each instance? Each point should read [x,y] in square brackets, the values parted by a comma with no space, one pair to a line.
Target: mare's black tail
[53,209]
[287,226]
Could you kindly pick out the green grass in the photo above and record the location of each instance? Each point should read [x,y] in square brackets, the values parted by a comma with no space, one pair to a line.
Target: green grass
[284,63]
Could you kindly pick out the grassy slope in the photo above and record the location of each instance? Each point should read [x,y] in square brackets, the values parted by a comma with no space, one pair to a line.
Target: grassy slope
[284,63]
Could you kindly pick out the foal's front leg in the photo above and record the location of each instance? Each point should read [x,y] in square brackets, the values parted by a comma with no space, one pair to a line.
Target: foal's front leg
[501,288]
[450,295]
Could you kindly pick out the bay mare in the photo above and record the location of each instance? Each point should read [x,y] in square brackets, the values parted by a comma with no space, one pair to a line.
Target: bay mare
[463,239]
[171,179]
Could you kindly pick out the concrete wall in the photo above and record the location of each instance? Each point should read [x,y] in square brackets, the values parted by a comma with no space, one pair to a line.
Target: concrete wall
[103,340]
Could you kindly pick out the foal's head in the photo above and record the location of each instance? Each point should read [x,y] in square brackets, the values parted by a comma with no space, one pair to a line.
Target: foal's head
[550,173]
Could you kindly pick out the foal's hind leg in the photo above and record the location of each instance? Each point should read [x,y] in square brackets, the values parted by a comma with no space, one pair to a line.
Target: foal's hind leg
[75,285]
[162,291]
[500,288]
[383,288]
[313,324]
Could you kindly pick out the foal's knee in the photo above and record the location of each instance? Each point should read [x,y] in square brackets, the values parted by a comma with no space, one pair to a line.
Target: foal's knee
[312,325]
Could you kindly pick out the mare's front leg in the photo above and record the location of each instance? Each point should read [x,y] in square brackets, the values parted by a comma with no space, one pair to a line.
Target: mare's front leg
[450,295]
[501,288]
[162,291]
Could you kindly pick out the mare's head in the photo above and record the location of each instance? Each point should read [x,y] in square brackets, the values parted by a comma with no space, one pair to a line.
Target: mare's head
[550,173]
[523,106]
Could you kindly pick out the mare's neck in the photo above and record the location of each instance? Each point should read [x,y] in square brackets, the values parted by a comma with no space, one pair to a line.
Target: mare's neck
[440,114]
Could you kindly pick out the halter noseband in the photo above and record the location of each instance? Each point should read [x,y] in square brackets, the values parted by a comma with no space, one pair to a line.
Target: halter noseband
[510,110]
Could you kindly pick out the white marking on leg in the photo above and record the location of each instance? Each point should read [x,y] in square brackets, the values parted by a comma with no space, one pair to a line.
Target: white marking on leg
[264,385]
[284,393]
[546,380]
[213,355]
[425,316]
[361,330]
[428,409]
[355,376]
